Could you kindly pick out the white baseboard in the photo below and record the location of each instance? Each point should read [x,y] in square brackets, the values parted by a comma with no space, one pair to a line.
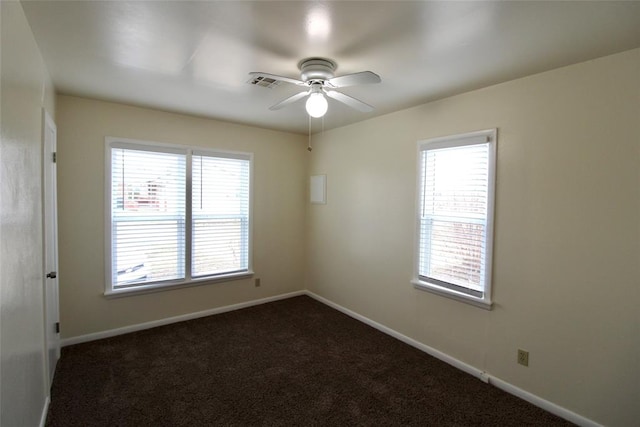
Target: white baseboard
[542,403]
[161,322]
[478,373]
[397,335]
[45,410]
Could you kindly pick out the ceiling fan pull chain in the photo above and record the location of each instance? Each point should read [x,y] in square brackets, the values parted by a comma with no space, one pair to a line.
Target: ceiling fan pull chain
[309,145]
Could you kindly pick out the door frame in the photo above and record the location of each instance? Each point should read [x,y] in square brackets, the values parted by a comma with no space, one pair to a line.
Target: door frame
[50,246]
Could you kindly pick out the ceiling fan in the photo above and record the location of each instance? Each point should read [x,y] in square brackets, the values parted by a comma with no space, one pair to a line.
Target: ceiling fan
[316,74]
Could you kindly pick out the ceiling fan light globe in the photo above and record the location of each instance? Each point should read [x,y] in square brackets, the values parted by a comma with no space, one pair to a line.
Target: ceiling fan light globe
[317,105]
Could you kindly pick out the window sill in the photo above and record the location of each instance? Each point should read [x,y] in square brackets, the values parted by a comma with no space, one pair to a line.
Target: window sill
[166,286]
[449,293]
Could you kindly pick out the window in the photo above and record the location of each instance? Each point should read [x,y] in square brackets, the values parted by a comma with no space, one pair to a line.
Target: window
[175,215]
[454,221]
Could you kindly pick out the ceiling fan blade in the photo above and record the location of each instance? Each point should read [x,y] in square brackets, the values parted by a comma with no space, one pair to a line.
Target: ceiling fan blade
[262,76]
[361,78]
[288,101]
[350,101]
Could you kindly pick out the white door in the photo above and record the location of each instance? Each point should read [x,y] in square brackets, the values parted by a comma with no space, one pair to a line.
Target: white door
[52,334]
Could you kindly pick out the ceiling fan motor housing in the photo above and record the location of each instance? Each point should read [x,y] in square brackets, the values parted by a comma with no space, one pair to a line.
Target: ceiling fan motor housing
[316,69]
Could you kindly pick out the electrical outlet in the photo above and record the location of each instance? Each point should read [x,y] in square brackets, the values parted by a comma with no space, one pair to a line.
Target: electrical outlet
[523,357]
[257,282]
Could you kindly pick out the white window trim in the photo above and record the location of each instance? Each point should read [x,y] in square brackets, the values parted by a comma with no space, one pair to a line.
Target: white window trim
[490,136]
[114,142]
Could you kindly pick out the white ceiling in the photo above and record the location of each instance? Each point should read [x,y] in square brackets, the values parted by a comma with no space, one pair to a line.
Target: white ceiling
[194,57]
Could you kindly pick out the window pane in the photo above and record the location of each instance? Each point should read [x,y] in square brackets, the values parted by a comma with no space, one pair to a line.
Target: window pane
[454,253]
[455,181]
[453,223]
[148,216]
[220,211]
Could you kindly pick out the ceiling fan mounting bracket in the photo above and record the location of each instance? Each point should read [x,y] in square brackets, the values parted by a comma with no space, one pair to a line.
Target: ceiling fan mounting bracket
[316,69]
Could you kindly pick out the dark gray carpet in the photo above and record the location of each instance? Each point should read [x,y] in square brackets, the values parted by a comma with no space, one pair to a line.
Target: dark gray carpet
[291,362]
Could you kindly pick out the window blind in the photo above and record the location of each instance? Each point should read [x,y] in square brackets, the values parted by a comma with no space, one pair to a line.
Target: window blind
[453,219]
[176,215]
[147,216]
[220,214]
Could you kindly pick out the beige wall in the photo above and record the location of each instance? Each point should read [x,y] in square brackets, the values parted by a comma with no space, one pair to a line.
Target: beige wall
[567,233]
[25,88]
[279,216]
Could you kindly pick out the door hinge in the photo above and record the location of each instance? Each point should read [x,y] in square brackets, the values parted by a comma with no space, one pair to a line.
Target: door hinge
[55,157]
[57,327]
